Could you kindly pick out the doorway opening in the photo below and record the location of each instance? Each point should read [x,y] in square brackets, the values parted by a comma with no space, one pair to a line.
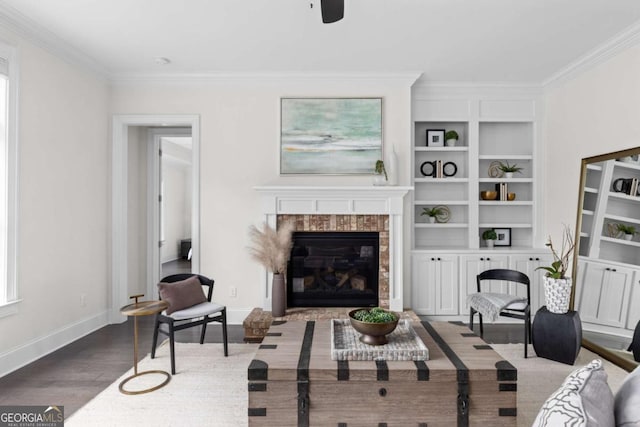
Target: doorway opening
[138,243]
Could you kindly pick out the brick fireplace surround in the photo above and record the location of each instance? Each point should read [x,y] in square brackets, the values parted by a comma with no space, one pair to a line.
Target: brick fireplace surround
[361,208]
[379,223]
[352,208]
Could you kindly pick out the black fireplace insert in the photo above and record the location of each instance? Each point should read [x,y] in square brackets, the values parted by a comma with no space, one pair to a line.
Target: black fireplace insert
[333,269]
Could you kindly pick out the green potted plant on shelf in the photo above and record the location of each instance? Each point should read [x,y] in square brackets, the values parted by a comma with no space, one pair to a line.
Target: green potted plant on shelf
[626,231]
[432,213]
[490,236]
[450,138]
[380,176]
[557,286]
[509,170]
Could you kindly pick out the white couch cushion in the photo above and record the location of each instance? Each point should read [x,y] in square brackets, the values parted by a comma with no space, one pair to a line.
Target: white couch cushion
[584,399]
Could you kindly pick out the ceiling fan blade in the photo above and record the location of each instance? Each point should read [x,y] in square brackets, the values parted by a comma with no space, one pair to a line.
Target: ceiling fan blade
[332,10]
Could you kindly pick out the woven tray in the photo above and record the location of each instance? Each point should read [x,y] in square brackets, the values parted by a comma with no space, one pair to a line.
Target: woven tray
[403,344]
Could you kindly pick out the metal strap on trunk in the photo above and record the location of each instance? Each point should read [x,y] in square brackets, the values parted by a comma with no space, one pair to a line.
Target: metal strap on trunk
[303,375]
[462,374]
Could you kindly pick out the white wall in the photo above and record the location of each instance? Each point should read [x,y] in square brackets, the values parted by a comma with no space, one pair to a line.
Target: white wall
[176,175]
[64,199]
[595,113]
[240,150]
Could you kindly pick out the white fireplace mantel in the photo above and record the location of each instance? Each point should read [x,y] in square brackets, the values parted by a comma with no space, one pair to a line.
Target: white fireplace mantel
[342,200]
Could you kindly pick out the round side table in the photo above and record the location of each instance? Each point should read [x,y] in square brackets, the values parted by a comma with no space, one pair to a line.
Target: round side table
[142,308]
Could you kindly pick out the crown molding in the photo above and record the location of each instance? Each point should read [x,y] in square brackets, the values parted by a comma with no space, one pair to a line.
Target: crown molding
[408,78]
[618,43]
[423,83]
[424,90]
[29,30]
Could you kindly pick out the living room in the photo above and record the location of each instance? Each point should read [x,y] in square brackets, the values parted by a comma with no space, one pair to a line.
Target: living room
[80,68]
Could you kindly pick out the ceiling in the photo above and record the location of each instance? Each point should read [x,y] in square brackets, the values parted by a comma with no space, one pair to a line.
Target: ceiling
[524,41]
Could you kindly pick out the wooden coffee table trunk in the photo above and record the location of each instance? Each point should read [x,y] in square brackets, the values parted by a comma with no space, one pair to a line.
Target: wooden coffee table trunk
[294,382]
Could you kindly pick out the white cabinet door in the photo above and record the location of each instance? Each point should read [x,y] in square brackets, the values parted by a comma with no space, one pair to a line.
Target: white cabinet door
[424,281]
[435,284]
[447,290]
[634,306]
[471,266]
[605,292]
[528,264]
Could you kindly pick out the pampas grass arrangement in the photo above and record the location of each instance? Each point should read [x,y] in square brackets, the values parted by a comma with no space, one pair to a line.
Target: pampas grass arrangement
[272,248]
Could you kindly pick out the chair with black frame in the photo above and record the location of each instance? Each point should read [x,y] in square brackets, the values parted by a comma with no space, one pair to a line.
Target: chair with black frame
[188,307]
[502,304]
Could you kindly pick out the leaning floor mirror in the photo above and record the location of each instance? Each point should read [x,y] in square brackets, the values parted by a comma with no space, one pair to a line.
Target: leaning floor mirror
[606,270]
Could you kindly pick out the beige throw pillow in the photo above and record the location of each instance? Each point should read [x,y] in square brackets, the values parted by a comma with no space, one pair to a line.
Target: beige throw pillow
[182,294]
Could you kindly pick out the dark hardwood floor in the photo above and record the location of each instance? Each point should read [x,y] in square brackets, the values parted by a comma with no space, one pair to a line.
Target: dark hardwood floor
[76,373]
[176,266]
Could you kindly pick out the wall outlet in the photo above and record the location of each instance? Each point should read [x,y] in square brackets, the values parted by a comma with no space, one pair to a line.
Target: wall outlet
[233,292]
[83,300]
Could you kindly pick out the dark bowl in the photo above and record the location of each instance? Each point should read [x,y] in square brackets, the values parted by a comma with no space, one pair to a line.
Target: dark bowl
[373,333]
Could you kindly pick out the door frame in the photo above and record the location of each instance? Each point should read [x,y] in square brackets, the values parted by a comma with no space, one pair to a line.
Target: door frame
[154,263]
[119,182]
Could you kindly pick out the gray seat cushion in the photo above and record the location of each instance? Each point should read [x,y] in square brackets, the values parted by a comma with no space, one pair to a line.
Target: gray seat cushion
[199,310]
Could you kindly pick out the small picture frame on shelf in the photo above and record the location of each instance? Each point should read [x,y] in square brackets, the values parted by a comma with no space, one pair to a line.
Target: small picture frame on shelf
[435,137]
[504,237]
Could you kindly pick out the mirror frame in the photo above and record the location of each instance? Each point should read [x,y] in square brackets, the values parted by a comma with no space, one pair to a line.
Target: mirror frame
[605,353]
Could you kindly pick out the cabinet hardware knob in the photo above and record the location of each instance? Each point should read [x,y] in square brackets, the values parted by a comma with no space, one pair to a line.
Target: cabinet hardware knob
[488,259]
[537,259]
[433,259]
[613,269]
[439,259]
[607,268]
[481,259]
[530,259]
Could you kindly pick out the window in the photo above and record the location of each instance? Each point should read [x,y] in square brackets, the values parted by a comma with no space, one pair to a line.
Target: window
[8,179]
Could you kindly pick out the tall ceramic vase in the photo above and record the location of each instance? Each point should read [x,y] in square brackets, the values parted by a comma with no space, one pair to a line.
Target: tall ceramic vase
[392,166]
[278,295]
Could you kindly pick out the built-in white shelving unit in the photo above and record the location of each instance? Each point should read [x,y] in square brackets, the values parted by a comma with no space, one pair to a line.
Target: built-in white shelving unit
[447,256]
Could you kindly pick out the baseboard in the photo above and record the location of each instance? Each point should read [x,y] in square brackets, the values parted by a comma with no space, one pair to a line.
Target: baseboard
[20,356]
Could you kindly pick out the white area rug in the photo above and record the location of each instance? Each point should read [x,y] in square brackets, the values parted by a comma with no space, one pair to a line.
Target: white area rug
[538,377]
[211,390]
[207,390]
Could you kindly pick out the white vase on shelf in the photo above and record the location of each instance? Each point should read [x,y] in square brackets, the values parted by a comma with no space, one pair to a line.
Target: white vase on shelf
[392,166]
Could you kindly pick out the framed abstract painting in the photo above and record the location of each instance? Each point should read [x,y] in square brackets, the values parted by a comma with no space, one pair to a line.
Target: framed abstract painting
[330,136]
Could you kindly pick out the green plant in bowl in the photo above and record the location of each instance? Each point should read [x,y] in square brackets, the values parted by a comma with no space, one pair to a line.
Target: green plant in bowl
[432,212]
[507,168]
[374,324]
